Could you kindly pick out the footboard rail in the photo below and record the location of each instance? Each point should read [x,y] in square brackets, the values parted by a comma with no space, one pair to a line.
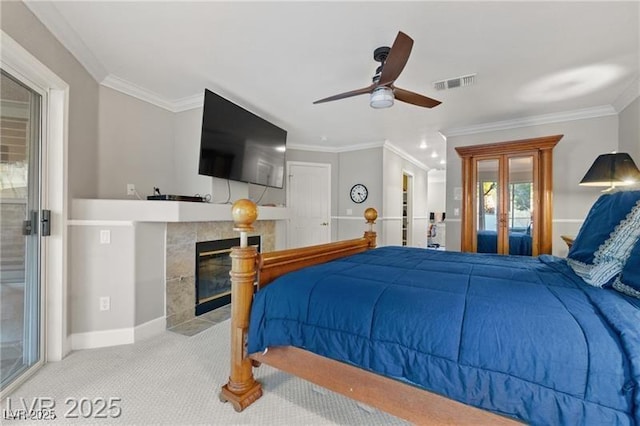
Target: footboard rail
[272,265]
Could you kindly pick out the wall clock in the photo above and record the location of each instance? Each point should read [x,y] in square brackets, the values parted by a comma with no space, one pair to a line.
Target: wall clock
[359,193]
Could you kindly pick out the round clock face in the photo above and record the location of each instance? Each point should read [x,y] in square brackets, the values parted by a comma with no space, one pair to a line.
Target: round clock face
[359,193]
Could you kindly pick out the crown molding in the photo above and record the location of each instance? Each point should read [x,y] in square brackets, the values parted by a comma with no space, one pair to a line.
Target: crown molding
[131,89]
[403,154]
[188,103]
[335,149]
[128,88]
[53,20]
[536,120]
[630,94]
[359,147]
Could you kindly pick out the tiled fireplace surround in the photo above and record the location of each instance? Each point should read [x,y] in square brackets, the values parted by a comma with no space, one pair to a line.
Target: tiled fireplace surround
[180,262]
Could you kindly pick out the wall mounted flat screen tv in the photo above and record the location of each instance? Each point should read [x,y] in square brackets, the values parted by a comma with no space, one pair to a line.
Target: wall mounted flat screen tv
[238,145]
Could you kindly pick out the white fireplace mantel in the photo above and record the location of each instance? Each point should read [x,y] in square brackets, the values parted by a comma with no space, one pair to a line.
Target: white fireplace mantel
[119,249]
[162,211]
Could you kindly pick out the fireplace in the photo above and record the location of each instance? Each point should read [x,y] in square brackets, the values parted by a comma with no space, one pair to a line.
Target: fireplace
[213,263]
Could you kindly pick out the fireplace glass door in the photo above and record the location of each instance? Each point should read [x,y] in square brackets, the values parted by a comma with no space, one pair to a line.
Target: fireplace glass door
[213,263]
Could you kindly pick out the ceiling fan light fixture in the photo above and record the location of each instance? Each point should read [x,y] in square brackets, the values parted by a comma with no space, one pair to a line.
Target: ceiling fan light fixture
[381,97]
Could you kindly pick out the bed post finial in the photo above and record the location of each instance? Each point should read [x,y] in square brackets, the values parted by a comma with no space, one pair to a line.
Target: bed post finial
[241,389]
[371,215]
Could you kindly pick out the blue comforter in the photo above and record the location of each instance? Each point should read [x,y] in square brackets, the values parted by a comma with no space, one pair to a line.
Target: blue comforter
[523,337]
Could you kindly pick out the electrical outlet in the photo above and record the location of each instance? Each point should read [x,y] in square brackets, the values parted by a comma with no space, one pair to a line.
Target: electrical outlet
[131,189]
[105,303]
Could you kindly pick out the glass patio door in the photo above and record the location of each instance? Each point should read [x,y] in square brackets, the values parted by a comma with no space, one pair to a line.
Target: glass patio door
[20,284]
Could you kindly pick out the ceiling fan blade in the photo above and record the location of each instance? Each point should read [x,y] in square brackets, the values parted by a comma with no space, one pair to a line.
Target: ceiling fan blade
[347,94]
[397,59]
[414,98]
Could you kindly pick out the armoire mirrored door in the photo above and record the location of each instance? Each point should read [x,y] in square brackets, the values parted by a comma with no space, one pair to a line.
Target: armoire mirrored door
[507,197]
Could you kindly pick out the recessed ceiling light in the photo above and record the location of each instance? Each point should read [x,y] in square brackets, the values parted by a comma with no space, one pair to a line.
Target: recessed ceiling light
[443,162]
[423,145]
[434,154]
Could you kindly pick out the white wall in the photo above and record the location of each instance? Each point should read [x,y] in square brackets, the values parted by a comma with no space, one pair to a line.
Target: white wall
[583,141]
[437,190]
[393,168]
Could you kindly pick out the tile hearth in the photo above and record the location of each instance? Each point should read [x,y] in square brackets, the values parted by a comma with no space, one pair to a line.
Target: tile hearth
[203,322]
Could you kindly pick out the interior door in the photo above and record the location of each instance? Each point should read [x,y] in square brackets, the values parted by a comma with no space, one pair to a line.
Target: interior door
[20,289]
[309,201]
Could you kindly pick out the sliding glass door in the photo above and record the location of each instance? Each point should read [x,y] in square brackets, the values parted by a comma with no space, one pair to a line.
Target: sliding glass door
[20,286]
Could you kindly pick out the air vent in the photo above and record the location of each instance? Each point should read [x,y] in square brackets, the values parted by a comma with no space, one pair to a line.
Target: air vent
[452,83]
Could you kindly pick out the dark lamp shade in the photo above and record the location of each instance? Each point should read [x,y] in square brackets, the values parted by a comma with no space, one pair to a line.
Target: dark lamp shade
[617,169]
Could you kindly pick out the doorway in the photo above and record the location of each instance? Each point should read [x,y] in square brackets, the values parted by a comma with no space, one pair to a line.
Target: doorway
[309,201]
[407,209]
[20,254]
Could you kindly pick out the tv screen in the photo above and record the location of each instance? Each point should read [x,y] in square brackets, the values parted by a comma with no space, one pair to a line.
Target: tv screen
[238,145]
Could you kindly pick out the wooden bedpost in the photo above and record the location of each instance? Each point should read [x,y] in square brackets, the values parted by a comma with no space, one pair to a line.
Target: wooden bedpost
[371,215]
[241,389]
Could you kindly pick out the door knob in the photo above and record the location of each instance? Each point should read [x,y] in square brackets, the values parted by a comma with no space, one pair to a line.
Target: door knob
[325,224]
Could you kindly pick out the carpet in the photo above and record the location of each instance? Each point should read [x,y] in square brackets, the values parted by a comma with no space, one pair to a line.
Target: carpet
[175,379]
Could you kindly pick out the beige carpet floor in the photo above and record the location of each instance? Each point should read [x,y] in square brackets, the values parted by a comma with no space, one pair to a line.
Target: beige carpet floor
[174,379]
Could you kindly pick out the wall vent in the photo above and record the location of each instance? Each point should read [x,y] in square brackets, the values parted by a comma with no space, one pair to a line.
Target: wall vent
[451,83]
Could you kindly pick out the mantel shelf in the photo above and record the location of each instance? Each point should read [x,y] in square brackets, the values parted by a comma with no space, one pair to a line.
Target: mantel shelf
[162,211]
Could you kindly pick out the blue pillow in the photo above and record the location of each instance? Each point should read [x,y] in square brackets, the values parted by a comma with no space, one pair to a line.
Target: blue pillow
[611,257]
[629,281]
[605,214]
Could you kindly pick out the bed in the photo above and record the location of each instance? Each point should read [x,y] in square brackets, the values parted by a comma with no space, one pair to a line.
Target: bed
[520,243]
[350,317]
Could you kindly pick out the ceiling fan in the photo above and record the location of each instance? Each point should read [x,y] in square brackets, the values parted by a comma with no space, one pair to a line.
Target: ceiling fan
[382,91]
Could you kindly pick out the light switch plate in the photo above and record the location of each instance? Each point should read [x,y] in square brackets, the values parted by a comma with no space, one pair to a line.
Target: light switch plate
[105,236]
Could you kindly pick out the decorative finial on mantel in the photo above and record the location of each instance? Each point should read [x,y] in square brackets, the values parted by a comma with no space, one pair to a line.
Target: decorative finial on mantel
[244,213]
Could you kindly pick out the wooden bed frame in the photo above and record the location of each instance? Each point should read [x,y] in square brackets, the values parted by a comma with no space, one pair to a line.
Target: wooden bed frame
[394,397]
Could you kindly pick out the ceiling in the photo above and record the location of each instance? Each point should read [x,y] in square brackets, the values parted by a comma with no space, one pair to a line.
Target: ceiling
[532,59]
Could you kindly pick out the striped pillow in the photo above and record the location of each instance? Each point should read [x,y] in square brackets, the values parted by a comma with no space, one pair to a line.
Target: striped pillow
[611,256]
[629,281]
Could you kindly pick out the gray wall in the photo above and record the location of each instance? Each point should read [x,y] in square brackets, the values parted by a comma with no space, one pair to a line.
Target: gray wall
[365,167]
[583,141]
[18,21]
[630,130]
[135,145]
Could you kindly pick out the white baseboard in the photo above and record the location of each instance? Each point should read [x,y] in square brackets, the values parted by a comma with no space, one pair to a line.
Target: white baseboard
[101,339]
[121,336]
[150,328]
